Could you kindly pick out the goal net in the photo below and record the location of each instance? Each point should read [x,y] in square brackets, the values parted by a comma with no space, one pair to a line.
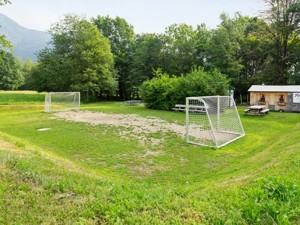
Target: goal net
[212,121]
[62,101]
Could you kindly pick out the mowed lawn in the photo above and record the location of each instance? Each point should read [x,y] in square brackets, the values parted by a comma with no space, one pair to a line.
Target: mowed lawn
[77,173]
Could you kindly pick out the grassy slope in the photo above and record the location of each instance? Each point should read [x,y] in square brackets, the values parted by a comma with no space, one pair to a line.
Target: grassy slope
[87,174]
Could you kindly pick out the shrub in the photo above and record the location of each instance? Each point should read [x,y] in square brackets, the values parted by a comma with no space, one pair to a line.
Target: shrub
[164,91]
[200,83]
[157,93]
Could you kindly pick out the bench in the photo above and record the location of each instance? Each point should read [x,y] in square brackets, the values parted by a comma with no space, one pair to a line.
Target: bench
[264,111]
[194,108]
[246,110]
[133,102]
[179,107]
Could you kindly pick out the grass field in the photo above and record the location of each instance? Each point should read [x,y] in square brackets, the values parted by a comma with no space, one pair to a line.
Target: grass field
[77,173]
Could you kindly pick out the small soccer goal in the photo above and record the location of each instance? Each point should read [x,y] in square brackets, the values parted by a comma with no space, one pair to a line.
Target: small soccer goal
[212,121]
[62,101]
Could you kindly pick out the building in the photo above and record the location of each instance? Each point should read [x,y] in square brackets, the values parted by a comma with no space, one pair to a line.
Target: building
[278,98]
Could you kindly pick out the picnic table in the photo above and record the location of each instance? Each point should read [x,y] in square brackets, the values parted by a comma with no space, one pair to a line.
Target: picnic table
[133,102]
[192,108]
[256,110]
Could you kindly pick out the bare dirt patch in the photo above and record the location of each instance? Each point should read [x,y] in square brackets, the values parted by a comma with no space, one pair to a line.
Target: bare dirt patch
[149,153]
[144,129]
[142,170]
[135,126]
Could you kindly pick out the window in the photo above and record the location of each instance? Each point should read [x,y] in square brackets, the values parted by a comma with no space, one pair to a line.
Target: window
[281,98]
[262,98]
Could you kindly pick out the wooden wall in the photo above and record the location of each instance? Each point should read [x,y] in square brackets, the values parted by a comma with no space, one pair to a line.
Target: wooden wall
[271,100]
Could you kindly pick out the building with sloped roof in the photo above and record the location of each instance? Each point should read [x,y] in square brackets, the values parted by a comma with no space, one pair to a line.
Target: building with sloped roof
[276,97]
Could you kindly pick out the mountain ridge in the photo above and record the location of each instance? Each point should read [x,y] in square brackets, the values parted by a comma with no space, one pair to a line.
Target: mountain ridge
[26,42]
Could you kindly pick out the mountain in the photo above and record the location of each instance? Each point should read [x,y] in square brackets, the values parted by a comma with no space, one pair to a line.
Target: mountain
[26,42]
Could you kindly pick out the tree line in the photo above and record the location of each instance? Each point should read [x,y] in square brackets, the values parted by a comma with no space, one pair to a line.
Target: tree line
[103,57]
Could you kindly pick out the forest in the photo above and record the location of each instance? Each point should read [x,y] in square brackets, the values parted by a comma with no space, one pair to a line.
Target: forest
[104,58]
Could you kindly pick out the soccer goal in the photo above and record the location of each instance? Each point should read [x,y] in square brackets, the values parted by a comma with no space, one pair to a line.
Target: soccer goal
[212,121]
[62,101]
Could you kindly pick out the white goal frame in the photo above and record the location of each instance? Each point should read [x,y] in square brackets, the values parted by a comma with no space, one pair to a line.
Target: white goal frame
[212,121]
[62,101]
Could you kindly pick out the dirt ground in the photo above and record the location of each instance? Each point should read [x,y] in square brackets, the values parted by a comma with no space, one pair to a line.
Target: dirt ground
[139,127]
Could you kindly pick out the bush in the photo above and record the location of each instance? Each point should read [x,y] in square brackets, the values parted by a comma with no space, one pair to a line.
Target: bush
[200,83]
[157,93]
[164,91]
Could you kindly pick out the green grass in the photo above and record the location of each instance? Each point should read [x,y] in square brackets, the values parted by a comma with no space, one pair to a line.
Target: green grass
[15,97]
[84,174]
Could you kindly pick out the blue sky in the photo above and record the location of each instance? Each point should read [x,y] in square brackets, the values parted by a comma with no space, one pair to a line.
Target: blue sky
[145,15]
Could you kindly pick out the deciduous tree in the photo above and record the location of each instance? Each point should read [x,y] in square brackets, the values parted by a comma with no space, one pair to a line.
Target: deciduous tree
[237,51]
[180,48]
[121,36]
[254,52]
[79,60]
[11,76]
[27,69]
[282,30]
[148,55]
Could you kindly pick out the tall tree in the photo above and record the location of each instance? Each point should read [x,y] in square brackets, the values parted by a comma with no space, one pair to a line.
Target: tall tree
[28,66]
[175,51]
[254,51]
[180,51]
[147,57]
[121,36]
[203,37]
[80,60]
[223,50]
[11,76]
[283,18]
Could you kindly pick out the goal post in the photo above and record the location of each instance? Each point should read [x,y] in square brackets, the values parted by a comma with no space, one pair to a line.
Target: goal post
[212,121]
[62,101]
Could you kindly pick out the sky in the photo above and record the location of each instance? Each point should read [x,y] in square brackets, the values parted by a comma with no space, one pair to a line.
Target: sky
[146,16]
